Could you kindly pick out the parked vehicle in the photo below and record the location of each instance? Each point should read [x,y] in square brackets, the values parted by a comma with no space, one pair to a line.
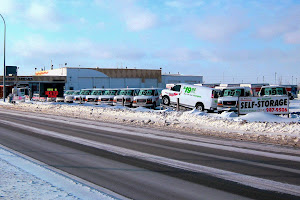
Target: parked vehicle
[125,95]
[229,98]
[255,87]
[273,90]
[20,94]
[191,96]
[81,97]
[35,97]
[292,91]
[69,97]
[62,99]
[108,96]
[147,97]
[93,97]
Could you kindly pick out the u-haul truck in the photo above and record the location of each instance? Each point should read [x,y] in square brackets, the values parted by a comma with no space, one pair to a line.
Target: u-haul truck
[191,96]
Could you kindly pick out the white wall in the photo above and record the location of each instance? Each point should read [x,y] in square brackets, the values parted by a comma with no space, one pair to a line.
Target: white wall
[54,72]
[180,79]
[79,78]
[149,83]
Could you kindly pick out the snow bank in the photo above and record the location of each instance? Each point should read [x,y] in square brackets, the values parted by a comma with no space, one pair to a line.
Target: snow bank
[260,127]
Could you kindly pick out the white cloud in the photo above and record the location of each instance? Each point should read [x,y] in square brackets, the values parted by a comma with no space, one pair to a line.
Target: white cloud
[182,4]
[293,37]
[7,7]
[140,20]
[36,48]
[285,24]
[135,17]
[217,28]
[42,14]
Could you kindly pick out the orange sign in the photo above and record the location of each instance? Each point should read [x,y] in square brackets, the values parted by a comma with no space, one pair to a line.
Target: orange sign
[41,73]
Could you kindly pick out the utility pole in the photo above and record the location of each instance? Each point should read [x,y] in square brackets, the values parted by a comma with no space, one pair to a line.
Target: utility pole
[4,70]
[275,77]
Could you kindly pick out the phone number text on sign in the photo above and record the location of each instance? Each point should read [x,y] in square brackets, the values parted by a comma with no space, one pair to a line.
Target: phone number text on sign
[276,110]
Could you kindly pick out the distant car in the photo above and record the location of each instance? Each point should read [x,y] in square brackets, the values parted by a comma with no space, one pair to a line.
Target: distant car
[108,96]
[147,97]
[69,95]
[93,97]
[229,98]
[125,96]
[35,97]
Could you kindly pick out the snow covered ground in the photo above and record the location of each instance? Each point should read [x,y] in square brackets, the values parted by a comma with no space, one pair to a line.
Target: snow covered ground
[262,127]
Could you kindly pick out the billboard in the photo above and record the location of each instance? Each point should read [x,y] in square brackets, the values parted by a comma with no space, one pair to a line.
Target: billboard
[273,105]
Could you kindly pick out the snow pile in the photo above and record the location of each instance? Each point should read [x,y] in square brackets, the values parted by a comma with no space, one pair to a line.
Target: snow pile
[254,126]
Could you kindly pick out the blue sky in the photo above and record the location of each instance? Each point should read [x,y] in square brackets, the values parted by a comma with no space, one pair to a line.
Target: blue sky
[223,40]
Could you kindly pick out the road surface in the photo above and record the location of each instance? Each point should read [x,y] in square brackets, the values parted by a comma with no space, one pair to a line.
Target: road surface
[143,163]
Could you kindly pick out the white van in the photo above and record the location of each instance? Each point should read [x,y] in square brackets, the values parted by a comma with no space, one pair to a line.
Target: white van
[69,97]
[147,97]
[93,97]
[107,97]
[191,96]
[273,90]
[125,95]
[81,97]
[229,97]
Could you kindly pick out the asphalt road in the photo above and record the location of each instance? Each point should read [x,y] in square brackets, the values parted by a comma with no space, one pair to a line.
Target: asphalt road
[142,163]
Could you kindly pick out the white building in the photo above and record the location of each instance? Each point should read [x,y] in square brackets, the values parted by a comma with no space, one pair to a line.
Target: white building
[80,78]
[178,78]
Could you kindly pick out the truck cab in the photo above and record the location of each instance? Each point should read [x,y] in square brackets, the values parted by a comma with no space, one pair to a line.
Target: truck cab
[125,95]
[229,97]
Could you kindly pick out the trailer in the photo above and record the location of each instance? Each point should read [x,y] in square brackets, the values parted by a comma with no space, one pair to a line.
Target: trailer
[255,87]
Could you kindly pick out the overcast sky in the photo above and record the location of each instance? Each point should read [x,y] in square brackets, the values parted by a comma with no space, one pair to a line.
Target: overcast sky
[223,40]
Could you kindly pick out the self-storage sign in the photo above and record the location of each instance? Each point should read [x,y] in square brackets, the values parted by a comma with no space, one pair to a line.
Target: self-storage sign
[274,105]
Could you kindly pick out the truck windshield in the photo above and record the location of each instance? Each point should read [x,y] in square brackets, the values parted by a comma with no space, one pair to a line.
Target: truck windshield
[85,92]
[97,92]
[110,92]
[273,91]
[233,92]
[69,92]
[76,93]
[126,92]
[146,93]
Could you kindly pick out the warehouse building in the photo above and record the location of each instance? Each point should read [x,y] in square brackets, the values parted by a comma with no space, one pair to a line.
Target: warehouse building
[72,78]
[78,78]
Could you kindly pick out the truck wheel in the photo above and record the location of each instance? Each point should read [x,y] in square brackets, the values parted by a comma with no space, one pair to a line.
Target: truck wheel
[200,107]
[166,100]
[154,106]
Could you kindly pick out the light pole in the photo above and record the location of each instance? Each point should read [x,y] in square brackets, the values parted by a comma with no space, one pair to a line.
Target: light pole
[4,70]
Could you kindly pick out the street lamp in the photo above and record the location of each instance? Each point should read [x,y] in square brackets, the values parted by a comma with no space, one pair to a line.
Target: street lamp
[4,70]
